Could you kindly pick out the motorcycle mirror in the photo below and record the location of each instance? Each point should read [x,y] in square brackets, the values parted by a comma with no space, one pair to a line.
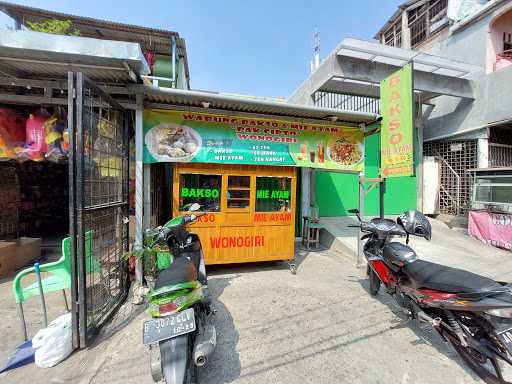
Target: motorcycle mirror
[194,207]
[355,212]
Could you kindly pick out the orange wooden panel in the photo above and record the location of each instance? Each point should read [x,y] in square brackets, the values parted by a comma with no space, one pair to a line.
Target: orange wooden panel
[237,235]
[279,243]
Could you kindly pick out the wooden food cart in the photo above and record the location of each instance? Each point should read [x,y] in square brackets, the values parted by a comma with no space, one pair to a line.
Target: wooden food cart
[250,210]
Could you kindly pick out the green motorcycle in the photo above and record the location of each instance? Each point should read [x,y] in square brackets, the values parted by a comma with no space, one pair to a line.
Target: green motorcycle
[180,335]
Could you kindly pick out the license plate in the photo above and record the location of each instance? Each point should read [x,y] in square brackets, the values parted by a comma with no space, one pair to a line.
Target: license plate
[506,337]
[168,327]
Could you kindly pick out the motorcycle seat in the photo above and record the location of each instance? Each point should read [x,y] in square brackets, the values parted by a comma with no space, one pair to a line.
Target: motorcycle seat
[424,274]
[181,270]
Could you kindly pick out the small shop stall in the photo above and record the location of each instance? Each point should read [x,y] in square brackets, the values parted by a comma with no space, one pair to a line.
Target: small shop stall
[244,169]
[251,210]
[64,152]
[490,218]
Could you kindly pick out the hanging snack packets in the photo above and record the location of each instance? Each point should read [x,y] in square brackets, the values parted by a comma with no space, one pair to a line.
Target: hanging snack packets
[12,133]
[55,127]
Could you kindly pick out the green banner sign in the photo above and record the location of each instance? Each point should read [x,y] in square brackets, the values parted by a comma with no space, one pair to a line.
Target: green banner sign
[181,136]
[396,98]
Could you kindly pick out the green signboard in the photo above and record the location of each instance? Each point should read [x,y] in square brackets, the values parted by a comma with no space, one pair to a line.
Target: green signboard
[182,136]
[396,97]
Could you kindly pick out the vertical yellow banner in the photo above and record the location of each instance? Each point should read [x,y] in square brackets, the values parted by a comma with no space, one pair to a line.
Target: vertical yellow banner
[396,149]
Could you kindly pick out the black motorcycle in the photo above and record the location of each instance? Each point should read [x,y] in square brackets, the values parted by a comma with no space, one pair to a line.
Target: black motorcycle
[472,312]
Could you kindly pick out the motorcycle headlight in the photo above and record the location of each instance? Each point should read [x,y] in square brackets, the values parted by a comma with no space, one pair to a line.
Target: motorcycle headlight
[500,312]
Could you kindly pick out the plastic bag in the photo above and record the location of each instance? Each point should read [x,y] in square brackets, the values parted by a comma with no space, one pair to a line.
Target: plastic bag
[53,344]
[35,146]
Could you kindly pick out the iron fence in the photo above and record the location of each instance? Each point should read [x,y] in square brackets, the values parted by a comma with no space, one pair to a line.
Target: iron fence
[457,158]
[99,205]
[346,102]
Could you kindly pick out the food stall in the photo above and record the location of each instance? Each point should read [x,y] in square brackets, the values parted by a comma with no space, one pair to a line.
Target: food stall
[251,210]
[243,171]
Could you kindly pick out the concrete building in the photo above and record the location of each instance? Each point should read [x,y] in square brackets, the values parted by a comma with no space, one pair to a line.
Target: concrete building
[462,52]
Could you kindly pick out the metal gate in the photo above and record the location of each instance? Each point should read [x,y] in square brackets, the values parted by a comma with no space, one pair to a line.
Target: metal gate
[99,150]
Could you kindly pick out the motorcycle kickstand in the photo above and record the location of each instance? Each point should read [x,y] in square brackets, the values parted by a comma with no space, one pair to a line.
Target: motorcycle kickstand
[292,266]
[402,322]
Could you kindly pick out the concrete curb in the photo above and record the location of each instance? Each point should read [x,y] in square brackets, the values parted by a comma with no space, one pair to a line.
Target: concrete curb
[331,242]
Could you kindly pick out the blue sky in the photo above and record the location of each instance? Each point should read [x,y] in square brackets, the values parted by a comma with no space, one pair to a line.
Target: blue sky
[259,47]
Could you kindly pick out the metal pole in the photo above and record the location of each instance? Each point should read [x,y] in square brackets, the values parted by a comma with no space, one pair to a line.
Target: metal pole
[41,293]
[22,318]
[362,195]
[72,122]
[65,300]
[306,192]
[139,183]
[382,191]
[81,253]
[173,55]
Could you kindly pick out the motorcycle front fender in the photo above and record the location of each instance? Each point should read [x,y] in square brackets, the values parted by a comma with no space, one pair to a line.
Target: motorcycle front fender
[175,359]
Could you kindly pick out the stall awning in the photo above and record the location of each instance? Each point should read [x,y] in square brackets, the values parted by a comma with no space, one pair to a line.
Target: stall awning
[165,97]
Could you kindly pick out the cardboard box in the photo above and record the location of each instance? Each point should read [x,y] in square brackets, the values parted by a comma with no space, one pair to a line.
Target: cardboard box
[7,258]
[28,251]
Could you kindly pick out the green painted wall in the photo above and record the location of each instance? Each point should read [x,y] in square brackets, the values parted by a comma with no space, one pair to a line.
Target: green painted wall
[337,193]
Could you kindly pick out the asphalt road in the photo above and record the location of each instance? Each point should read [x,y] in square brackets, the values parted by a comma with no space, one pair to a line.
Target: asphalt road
[319,326]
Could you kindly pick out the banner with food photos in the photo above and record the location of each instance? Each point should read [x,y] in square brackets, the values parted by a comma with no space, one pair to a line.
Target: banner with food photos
[183,136]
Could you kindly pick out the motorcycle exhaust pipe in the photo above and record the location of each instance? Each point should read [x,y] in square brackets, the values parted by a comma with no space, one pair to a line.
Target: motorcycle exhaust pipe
[204,345]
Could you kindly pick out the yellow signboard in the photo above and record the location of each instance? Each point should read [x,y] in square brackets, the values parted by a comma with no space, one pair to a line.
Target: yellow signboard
[396,97]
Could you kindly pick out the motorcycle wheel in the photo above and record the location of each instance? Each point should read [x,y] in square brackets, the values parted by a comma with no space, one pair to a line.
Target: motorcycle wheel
[374,282]
[486,368]
[190,370]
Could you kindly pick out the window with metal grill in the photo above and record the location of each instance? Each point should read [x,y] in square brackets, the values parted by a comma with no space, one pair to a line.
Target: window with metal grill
[426,20]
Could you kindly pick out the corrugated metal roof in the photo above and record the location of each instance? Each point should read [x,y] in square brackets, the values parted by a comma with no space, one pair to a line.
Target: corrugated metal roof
[154,39]
[187,98]
[55,71]
[27,54]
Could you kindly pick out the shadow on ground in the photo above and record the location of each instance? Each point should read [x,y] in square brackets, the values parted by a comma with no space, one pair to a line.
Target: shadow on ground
[300,256]
[425,334]
[224,366]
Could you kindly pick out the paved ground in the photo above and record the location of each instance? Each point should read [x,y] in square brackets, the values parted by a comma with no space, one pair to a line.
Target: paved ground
[319,326]
[448,247]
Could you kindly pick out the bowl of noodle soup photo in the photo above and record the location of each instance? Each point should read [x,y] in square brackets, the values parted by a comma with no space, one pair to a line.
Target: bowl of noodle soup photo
[344,152]
[173,142]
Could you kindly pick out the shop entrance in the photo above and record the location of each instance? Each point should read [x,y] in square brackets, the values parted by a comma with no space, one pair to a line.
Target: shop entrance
[34,182]
[250,210]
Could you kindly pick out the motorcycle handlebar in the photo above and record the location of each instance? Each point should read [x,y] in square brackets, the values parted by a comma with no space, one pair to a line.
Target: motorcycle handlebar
[193,217]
